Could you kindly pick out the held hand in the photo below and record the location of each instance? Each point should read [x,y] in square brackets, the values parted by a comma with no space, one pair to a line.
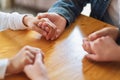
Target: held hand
[32,23]
[46,25]
[25,56]
[108,31]
[37,70]
[102,49]
[57,20]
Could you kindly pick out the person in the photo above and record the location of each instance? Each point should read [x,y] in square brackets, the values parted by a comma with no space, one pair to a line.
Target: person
[64,12]
[27,54]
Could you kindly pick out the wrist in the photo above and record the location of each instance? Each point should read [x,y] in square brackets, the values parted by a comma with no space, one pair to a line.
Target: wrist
[64,20]
[26,19]
[9,67]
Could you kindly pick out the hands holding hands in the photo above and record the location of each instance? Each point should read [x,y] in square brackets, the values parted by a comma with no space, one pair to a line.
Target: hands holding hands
[50,25]
[58,21]
[29,59]
[101,45]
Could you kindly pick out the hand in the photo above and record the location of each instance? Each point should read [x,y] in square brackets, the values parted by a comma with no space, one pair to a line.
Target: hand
[57,20]
[46,25]
[25,56]
[32,23]
[36,71]
[108,31]
[102,49]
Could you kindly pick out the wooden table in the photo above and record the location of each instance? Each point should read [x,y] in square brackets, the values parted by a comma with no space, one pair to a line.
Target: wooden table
[64,57]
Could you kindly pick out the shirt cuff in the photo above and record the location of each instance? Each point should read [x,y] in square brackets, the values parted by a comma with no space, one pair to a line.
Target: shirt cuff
[21,22]
[63,12]
[17,21]
[23,26]
[3,67]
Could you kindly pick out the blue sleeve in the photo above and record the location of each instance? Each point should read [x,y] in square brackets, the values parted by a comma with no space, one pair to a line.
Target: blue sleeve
[69,9]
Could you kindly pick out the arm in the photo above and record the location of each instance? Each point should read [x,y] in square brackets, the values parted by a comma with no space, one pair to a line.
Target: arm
[12,21]
[69,9]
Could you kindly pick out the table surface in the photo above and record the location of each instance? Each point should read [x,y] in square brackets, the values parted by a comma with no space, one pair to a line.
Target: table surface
[64,57]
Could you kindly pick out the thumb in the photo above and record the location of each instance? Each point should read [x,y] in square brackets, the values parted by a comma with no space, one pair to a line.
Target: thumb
[42,15]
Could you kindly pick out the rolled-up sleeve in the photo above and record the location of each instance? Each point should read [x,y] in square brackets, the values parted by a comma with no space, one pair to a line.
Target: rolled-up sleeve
[69,9]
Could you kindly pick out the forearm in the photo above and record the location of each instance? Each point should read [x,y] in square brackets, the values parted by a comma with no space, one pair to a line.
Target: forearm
[12,21]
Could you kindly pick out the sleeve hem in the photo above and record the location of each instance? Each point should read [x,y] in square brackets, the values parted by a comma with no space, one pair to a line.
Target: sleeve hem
[3,68]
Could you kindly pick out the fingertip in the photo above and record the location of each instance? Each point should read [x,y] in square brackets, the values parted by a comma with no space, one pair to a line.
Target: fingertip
[58,32]
[39,24]
[56,36]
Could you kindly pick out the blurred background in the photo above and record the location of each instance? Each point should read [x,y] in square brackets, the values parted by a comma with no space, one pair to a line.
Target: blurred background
[31,6]
[26,6]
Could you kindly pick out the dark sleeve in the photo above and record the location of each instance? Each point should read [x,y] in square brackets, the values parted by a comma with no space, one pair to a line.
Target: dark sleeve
[69,9]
